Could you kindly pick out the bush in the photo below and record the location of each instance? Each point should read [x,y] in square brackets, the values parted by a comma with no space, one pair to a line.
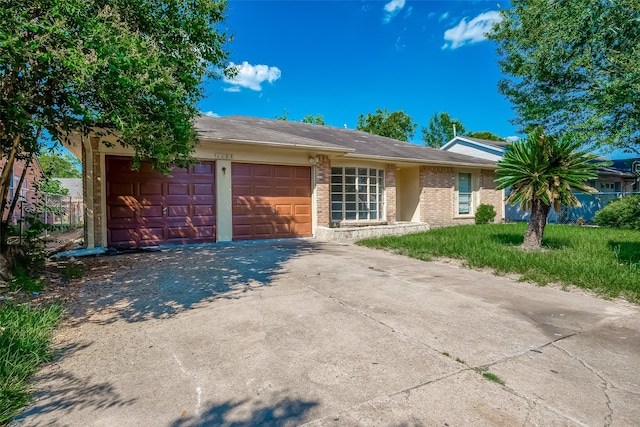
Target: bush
[620,213]
[485,214]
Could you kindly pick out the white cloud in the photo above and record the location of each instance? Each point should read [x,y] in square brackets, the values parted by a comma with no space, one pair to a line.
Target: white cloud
[251,76]
[391,9]
[210,114]
[471,32]
[443,16]
[512,139]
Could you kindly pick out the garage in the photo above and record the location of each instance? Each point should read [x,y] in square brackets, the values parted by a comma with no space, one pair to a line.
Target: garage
[147,208]
[271,201]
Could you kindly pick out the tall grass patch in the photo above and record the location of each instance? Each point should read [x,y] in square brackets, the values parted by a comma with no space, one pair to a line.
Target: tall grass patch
[24,344]
[606,261]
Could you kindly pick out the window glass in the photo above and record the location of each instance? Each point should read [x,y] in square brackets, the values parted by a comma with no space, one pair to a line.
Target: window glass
[356,193]
[464,194]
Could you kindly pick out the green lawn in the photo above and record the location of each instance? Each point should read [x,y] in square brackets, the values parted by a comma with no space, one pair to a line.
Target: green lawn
[24,344]
[604,260]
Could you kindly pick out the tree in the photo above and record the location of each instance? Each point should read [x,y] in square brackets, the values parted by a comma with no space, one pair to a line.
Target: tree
[397,125]
[576,73]
[489,136]
[544,171]
[133,69]
[57,165]
[53,186]
[284,116]
[440,130]
[318,119]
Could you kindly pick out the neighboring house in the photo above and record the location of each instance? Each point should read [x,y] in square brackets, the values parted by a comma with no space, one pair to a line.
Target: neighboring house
[631,167]
[612,181]
[27,192]
[480,148]
[264,179]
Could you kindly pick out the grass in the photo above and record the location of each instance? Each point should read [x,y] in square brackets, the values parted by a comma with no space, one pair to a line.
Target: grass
[24,344]
[606,261]
[493,377]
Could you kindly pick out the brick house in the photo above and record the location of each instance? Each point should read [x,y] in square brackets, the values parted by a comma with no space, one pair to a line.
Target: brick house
[263,179]
[27,192]
[612,182]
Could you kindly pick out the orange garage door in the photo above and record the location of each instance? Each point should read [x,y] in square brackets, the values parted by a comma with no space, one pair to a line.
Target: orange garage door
[147,208]
[271,201]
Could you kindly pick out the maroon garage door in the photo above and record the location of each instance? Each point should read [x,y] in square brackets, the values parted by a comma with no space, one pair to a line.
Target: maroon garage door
[147,208]
[270,201]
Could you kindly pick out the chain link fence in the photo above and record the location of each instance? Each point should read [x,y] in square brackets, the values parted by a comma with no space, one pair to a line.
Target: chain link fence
[582,215]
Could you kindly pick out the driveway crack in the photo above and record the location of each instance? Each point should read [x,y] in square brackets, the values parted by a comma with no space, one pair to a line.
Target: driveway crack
[606,385]
[370,317]
[186,373]
[198,386]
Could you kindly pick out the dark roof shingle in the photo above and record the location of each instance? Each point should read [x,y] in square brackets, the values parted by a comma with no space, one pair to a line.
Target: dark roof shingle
[353,143]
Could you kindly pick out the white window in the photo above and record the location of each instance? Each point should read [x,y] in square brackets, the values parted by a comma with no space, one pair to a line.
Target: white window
[357,194]
[465,194]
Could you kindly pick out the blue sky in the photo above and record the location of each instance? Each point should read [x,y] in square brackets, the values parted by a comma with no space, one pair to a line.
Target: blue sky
[345,58]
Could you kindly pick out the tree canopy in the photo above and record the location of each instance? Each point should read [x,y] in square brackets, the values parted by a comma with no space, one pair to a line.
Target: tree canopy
[60,165]
[133,68]
[397,124]
[579,72]
[318,119]
[439,131]
[544,172]
[489,136]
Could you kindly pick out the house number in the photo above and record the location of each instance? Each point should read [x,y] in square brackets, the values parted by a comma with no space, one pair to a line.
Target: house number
[226,156]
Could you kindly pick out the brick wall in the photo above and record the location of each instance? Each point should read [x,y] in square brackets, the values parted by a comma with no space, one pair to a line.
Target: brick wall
[488,193]
[97,192]
[437,195]
[390,193]
[323,203]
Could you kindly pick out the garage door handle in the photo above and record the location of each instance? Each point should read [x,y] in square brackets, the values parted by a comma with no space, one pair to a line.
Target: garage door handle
[274,210]
[164,210]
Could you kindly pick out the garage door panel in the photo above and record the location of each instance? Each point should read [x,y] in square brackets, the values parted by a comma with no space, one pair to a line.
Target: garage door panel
[179,232]
[124,234]
[178,211]
[303,174]
[203,169]
[202,189]
[177,189]
[204,232]
[120,188]
[283,172]
[148,212]
[302,210]
[202,210]
[150,189]
[265,200]
[148,208]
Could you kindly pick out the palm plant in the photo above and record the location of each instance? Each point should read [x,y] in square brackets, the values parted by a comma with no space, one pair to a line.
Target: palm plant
[544,171]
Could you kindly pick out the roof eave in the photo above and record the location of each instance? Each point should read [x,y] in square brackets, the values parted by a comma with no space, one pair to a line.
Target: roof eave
[423,161]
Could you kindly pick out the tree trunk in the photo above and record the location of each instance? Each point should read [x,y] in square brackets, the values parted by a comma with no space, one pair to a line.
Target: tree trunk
[537,222]
[5,183]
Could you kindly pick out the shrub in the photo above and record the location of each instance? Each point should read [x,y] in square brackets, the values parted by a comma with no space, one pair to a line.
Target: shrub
[620,213]
[485,214]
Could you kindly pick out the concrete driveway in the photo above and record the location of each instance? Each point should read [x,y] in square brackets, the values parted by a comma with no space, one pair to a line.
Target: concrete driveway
[299,331]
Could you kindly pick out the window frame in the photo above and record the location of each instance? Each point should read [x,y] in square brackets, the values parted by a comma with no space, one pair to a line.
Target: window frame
[355,193]
[470,193]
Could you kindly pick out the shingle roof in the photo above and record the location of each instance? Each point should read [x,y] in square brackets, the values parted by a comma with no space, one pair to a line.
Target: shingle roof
[352,143]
